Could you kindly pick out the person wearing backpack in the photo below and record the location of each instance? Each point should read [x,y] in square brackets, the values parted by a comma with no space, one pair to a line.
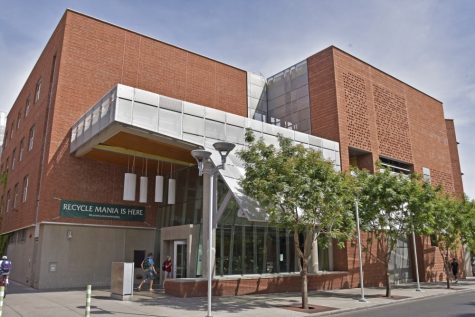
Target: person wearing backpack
[5,268]
[148,266]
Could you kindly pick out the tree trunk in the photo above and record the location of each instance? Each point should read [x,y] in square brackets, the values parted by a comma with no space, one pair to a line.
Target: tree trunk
[303,265]
[387,259]
[388,284]
[447,268]
[303,274]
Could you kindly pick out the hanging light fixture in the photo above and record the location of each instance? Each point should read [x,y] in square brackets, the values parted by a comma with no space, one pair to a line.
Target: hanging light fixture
[158,185]
[143,184]
[171,188]
[130,181]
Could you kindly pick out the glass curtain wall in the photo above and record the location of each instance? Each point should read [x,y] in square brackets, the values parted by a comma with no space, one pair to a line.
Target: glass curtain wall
[242,246]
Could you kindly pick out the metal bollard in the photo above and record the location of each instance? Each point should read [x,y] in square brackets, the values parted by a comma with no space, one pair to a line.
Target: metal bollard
[88,301]
[2,293]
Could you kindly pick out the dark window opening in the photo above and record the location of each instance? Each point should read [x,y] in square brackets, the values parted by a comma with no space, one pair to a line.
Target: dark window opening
[139,256]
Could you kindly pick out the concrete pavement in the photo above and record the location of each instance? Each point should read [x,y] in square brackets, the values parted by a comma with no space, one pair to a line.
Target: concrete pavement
[26,302]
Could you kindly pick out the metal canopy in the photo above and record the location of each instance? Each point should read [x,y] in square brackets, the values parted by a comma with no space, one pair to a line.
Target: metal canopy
[183,126]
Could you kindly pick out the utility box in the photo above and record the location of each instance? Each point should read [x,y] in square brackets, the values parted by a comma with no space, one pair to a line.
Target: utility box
[122,280]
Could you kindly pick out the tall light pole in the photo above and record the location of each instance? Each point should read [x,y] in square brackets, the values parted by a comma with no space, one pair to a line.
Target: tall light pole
[205,167]
[362,299]
[418,289]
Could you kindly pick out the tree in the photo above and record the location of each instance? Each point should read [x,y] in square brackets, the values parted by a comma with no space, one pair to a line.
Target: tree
[468,216]
[300,191]
[393,205]
[447,226]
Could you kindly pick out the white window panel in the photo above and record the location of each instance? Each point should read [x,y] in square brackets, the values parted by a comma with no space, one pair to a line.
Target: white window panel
[194,125]
[214,130]
[145,116]
[146,97]
[123,112]
[169,122]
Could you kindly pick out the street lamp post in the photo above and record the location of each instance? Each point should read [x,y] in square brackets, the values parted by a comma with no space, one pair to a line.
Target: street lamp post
[362,299]
[418,289]
[202,157]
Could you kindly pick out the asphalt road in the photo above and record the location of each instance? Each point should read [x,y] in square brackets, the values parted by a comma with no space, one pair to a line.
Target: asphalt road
[457,305]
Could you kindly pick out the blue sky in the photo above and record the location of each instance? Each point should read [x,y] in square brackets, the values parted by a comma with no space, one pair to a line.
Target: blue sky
[427,44]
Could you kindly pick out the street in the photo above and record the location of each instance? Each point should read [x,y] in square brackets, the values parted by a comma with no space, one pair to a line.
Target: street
[456,305]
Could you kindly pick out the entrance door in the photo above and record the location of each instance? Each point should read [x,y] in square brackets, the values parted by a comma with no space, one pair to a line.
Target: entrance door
[179,259]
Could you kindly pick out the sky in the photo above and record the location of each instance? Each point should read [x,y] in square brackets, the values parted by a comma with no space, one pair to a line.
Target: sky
[427,44]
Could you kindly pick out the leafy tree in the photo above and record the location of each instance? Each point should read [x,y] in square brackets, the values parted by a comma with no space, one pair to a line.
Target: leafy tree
[447,227]
[393,205]
[300,191]
[468,230]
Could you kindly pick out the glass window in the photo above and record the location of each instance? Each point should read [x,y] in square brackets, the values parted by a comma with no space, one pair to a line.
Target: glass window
[8,201]
[31,138]
[6,163]
[12,129]
[13,159]
[25,188]
[426,175]
[37,90]
[22,148]
[27,106]
[18,120]
[15,196]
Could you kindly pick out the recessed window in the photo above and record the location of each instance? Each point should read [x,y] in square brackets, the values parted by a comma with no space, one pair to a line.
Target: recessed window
[27,106]
[13,159]
[18,120]
[38,90]
[25,189]
[7,208]
[426,175]
[15,196]
[22,149]
[6,164]
[31,138]
[12,129]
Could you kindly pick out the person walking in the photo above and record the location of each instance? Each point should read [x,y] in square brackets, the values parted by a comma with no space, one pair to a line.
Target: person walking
[455,269]
[148,266]
[5,268]
[167,267]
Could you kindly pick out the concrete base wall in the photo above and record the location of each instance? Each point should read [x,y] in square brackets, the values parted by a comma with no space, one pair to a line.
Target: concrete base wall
[73,256]
[20,252]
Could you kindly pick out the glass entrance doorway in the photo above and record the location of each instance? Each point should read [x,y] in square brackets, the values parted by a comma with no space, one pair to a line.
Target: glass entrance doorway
[179,259]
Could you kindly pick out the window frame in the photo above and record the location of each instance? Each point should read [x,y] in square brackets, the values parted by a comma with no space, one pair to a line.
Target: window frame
[31,138]
[38,90]
[22,150]
[24,194]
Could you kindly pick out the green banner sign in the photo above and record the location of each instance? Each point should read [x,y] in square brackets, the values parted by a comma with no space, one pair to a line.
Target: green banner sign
[82,209]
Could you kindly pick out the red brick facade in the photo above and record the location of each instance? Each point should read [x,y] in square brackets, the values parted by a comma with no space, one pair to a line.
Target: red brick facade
[364,109]
[92,57]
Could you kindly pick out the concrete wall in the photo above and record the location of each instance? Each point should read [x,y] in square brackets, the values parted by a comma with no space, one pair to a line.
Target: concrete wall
[20,253]
[86,257]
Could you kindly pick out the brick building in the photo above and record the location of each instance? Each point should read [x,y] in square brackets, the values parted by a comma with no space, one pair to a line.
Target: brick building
[103,101]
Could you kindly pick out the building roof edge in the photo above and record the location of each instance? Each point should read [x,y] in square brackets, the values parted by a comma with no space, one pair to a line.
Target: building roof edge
[382,71]
[150,37]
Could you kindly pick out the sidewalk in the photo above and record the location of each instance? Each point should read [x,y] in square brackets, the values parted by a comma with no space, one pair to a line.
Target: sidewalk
[26,302]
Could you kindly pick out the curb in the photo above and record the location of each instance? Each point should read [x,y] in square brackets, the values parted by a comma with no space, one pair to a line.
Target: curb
[405,300]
